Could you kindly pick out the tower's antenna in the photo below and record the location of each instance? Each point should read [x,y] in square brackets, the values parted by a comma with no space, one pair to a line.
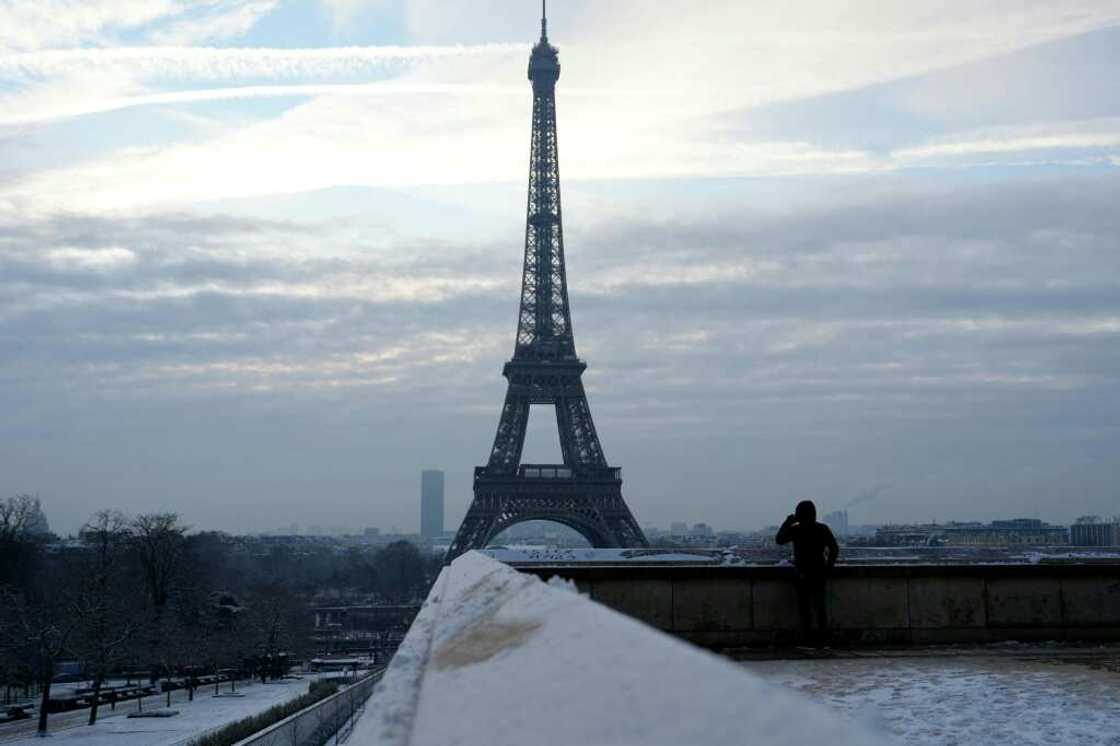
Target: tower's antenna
[544,19]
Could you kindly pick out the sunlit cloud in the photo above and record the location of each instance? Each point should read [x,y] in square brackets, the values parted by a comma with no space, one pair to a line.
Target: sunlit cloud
[57,23]
[103,260]
[1094,135]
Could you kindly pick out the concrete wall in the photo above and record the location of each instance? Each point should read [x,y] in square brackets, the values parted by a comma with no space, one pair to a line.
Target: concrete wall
[736,606]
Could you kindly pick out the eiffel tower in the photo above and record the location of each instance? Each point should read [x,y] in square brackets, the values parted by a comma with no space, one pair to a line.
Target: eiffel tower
[583,492]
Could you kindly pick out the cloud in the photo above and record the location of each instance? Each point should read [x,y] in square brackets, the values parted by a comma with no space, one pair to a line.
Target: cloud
[457,107]
[919,329]
[45,24]
[897,299]
[866,304]
[343,13]
[98,260]
[227,21]
[617,121]
[1092,136]
[236,63]
[62,107]
[57,84]
[55,23]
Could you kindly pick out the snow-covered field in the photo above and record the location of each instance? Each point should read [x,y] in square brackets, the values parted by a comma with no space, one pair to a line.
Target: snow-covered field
[195,718]
[965,701]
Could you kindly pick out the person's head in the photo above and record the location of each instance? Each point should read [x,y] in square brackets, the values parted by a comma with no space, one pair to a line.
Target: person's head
[806,512]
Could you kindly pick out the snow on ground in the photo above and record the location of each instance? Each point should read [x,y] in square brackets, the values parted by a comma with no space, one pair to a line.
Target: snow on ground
[518,554]
[959,701]
[205,713]
[498,657]
[523,554]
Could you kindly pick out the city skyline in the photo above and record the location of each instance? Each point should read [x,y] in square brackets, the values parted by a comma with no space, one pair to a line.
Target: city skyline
[261,256]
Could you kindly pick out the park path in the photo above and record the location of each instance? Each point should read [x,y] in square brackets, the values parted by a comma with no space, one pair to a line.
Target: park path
[204,714]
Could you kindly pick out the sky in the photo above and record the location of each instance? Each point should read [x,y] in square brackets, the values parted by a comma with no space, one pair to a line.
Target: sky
[260,259]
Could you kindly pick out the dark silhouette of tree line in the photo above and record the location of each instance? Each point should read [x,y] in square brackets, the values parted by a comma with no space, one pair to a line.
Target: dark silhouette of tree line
[143,595]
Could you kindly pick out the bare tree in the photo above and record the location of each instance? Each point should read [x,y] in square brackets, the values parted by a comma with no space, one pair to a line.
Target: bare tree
[16,516]
[19,554]
[267,628]
[40,632]
[158,538]
[19,545]
[105,603]
[158,542]
[278,627]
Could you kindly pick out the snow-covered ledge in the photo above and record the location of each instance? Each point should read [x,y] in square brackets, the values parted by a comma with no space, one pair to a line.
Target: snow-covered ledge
[498,657]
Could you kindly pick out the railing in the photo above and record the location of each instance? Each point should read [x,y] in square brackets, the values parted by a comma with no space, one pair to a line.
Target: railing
[553,471]
[559,471]
[546,472]
[328,721]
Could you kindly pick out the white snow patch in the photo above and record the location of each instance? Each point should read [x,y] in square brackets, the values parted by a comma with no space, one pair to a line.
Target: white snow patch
[994,701]
[521,555]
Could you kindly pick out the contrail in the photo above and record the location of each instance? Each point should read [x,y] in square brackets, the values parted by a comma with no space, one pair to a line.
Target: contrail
[219,63]
[114,103]
[64,109]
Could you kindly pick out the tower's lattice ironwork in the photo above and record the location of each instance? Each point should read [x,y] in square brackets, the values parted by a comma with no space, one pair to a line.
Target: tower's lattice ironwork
[584,492]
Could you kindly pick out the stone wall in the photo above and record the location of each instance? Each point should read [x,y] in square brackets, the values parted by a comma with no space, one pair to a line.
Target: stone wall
[923,604]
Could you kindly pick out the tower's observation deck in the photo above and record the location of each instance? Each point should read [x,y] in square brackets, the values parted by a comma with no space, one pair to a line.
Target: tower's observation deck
[544,63]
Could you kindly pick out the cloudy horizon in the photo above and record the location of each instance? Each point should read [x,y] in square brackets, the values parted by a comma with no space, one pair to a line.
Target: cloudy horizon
[259,260]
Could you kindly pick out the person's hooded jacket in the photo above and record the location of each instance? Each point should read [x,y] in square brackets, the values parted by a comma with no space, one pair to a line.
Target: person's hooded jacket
[814,546]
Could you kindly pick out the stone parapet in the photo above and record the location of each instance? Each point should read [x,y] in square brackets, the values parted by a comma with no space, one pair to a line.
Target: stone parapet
[719,606]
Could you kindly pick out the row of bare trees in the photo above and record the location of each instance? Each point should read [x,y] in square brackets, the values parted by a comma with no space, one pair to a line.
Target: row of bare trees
[133,594]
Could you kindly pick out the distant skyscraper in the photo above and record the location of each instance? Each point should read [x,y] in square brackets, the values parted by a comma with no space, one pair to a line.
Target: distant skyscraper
[431,503]
[838,522]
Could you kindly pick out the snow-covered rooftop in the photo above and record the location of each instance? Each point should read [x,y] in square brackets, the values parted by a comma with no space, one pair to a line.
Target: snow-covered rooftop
[530,556]
[499,657]
[563,555]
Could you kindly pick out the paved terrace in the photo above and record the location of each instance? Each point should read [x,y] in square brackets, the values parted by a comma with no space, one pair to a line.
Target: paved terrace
[1006,694]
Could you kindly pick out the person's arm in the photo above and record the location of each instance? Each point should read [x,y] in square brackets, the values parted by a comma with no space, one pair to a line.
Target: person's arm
[784,533]
[833,547]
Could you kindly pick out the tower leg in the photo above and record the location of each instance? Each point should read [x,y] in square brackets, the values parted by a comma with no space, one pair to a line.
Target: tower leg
[474,532]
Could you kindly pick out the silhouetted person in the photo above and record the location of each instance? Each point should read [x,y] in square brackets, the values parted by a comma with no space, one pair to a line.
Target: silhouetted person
[814,554]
